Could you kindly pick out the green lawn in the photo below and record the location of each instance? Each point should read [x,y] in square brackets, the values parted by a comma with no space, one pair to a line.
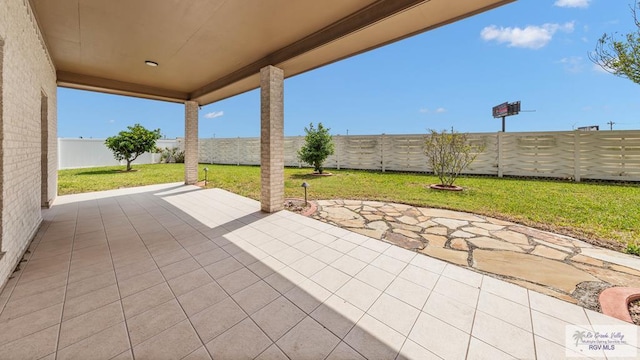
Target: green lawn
[608,212]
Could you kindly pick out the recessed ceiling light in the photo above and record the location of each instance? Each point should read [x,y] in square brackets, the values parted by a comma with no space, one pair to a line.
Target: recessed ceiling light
[151,63]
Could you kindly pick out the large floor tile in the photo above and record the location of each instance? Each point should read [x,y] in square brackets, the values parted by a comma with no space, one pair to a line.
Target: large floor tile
[394,313]
[32,346]
[337,315]
[441,338]
[450,311]
[509,338]
[243,341]
[374,340]
[409,292]
[255,297]
[174,343]
[90,323]
[154,321]
[278,317]
[28,324]
[308,340]
[103,345]
[359,294]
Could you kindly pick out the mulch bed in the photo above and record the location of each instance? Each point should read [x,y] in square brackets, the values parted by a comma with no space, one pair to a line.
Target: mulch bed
[298,206]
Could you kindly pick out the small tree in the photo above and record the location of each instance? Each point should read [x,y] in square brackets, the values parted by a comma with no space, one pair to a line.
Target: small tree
[317,147]
[449,153]
[620,57]
[128,145]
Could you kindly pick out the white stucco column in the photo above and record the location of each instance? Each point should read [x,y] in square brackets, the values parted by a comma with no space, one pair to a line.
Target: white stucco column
[272,138]
[191,142]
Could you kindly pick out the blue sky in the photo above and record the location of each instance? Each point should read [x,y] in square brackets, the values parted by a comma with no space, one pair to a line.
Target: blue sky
[535,51]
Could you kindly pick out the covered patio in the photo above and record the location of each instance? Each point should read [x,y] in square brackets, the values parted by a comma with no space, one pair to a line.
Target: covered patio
[192,53]
[177,272]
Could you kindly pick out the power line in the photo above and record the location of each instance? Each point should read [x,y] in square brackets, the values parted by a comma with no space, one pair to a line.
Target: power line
[611,123]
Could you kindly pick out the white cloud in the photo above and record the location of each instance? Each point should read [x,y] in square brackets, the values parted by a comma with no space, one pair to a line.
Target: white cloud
[572,3]
[572,64]
[439,110]
[531,37]
[111,121]
[214,114]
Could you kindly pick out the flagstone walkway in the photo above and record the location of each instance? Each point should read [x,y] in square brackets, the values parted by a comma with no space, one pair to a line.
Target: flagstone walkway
[549,263]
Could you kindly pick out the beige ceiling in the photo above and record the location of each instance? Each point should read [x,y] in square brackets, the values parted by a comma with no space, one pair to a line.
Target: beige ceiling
[208,50]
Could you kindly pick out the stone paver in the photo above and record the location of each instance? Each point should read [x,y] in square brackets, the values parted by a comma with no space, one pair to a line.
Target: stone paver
[538,260]
[185,273]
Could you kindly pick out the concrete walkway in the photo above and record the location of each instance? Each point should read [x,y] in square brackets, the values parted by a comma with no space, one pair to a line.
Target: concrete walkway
[178,272]
[548,263]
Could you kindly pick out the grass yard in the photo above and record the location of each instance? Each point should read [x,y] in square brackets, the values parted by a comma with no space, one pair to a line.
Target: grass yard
[609,212]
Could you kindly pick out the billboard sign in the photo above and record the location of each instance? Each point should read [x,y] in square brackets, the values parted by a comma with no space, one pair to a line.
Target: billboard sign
[506,109]
[501,110]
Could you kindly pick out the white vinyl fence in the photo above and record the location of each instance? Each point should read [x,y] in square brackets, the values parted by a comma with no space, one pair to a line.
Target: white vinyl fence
[79,153]
[597,155]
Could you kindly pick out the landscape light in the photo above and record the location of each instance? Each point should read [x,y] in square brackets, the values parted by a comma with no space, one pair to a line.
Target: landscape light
[305,186]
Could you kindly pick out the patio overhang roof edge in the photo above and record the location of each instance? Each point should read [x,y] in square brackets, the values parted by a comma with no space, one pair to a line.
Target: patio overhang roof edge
[109,86]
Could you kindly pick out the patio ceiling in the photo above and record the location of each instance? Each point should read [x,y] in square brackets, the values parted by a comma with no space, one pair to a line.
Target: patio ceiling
[208,50]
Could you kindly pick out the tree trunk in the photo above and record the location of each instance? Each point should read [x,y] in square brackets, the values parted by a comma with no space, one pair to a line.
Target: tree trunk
[128,165]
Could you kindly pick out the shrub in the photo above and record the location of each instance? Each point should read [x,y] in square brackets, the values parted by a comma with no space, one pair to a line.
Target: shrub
[317,148]
[172,155]
[449,153]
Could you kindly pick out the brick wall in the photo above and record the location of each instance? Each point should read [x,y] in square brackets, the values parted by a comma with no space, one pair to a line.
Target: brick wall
[191,142]
[27,75]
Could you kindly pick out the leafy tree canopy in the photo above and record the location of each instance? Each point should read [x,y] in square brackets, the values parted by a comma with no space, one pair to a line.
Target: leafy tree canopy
[317,148]
[129,144]
[620,57]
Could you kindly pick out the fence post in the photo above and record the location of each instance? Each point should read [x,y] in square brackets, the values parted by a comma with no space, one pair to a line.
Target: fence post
[622,157]
[238,151]
[382,152]
[297,147]
[338,153]
[576,156]
[500,134]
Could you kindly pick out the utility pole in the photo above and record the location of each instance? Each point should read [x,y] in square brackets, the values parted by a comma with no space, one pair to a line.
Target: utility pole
[611,123]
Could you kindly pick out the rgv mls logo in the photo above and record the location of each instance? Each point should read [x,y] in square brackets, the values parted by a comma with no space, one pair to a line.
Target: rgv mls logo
[601,341]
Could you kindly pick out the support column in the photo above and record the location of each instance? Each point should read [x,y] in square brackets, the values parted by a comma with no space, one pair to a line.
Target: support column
[272,138]
[191,142]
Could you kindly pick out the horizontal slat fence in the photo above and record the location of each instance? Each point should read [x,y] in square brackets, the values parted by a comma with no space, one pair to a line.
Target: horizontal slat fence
[595,155]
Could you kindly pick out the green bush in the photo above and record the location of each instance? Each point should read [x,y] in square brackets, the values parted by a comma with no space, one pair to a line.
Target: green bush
[172,155]
[317,148]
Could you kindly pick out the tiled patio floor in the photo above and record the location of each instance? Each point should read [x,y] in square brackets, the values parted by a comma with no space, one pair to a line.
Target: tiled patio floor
[177,272]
